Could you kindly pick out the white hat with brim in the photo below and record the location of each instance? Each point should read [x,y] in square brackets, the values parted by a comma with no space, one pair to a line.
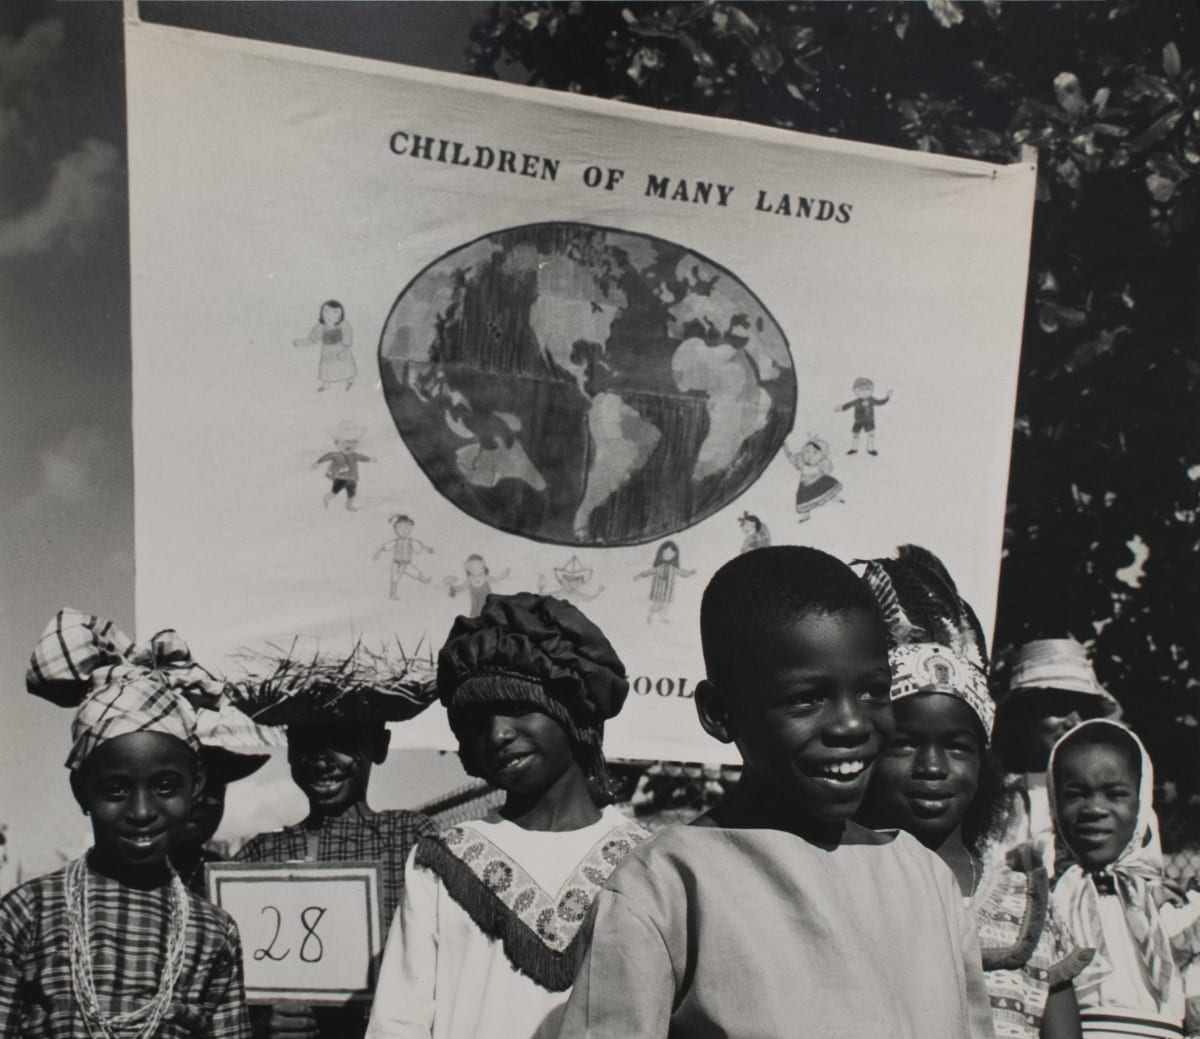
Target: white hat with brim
[1055,664]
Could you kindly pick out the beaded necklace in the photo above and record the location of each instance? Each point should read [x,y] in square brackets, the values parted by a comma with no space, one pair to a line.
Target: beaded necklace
[142,1022]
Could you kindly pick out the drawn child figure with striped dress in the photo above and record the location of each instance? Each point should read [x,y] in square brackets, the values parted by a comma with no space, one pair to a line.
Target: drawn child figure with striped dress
[664,572]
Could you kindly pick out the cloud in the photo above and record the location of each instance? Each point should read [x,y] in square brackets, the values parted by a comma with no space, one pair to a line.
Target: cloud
[27,68]
[72,471]
[82,194]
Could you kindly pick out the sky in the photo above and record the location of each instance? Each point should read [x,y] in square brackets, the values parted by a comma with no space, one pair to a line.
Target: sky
[66,519]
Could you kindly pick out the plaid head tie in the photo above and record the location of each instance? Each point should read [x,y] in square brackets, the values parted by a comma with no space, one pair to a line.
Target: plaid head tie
[86,662]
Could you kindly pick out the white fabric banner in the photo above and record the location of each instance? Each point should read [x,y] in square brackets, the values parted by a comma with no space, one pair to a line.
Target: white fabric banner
[401,337]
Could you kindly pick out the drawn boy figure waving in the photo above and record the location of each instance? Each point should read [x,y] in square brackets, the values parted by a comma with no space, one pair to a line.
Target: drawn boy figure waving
[343,469]
[864,405]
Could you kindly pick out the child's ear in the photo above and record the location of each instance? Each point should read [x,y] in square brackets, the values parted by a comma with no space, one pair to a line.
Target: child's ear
[380,744]
[714,712]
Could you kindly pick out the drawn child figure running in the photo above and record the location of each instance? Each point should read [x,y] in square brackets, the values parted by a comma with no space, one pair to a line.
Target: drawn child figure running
[403,547]
[864,405]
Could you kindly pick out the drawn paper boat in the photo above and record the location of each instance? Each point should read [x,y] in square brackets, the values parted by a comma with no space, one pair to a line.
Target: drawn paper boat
[574,572]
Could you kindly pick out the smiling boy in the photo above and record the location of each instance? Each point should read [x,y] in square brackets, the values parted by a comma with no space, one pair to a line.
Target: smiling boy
[776,914]
[334,738]
[113,942]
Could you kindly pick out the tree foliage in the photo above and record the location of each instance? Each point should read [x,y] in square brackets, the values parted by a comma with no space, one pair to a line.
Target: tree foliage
[1106,454]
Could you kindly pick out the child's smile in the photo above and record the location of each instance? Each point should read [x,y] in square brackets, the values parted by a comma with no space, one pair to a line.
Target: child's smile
[1096,790]
[928,775]
[523,752]
[331,764]
[138,789]
[817,713]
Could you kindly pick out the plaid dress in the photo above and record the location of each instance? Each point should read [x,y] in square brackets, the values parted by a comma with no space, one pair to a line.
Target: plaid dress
[383,837]
[128,929]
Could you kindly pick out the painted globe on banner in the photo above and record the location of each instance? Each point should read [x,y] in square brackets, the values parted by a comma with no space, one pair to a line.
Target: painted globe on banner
[583,385]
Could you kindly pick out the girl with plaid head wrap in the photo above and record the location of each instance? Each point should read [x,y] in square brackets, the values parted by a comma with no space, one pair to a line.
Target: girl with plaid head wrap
[112,944]
[488,935]
[937,781]
[1144,982]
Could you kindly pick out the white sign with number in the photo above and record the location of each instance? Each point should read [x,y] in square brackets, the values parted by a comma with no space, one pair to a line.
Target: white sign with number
[310,930]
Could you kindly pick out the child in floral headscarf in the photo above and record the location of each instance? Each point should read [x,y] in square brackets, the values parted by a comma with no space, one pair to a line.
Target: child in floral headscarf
[488,935]
[113,944]
[1143,981]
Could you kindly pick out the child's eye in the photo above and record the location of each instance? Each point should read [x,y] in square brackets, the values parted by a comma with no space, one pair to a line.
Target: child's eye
[113,791]
[803,703]
[167,787]
[877,694]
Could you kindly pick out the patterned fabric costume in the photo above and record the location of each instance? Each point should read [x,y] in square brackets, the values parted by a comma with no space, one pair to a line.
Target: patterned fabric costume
[128,930]
[1145,977]
[489,933]
[382,837]
[116,937]
[940,648]
[1026,950]
[488,936]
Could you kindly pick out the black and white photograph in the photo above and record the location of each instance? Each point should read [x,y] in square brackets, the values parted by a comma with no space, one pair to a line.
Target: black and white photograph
[600,520]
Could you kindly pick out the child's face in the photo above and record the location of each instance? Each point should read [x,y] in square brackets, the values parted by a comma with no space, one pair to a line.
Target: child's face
[331,764]
[520,750]
[1057,713]
[207,812]
[863,390]
[814,712]
[346,445]
[330,315]
[138,790]
[926,778]
[1096,789]
[475,569]
[669,554]
[403,528]
[810,454]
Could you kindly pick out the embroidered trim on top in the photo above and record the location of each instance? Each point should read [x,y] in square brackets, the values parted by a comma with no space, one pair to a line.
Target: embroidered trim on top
[541,932]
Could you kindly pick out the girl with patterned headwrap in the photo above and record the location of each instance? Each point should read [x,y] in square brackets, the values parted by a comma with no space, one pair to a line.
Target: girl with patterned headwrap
[488,935]
[1144,982]
[113,944]
[937,781]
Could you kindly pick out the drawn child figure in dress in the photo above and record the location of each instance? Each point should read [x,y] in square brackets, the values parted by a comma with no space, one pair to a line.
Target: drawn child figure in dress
[664,572]
[864,405]
[755,533]
[343,469]
[403,547]
[477,582]
[333,334]
[817,484]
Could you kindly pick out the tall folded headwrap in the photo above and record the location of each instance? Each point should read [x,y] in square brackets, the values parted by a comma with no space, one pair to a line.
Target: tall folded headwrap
[537,650]
[1136,874]
[937,643]
[86,662]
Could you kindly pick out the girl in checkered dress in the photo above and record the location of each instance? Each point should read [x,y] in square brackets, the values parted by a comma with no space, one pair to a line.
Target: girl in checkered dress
[113,944]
